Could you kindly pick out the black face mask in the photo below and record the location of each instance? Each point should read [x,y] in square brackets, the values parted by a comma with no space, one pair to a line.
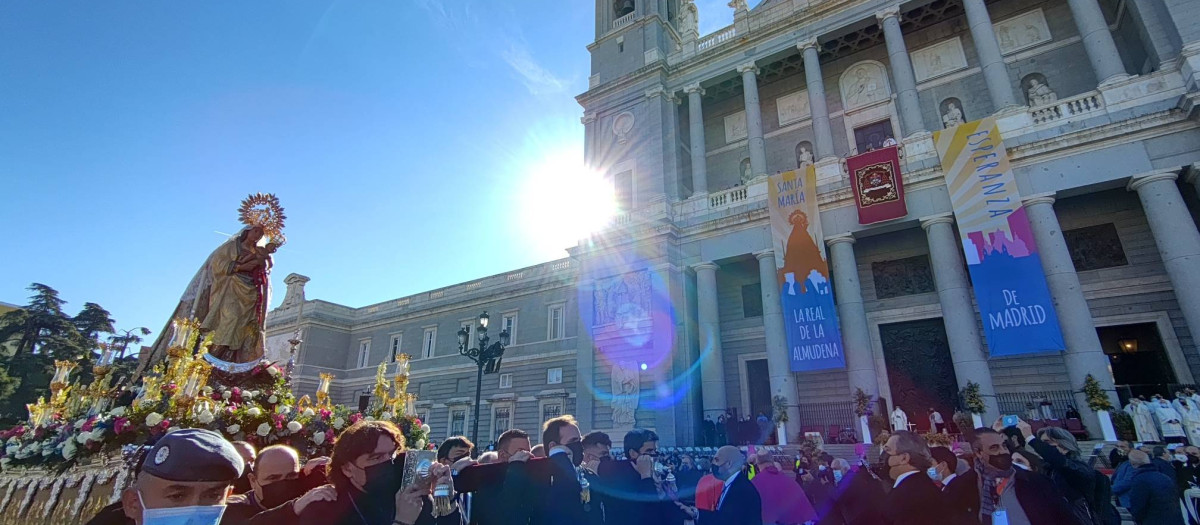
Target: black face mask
[383,480]
[1001,462]
[716,470]
[576,449]
[281,492]
[882,469]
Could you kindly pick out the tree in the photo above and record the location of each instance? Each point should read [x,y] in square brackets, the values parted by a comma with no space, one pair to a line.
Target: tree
[92,321]
[124,338]
[42,319]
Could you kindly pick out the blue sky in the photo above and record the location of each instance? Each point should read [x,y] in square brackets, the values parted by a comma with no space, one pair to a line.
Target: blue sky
[412,142]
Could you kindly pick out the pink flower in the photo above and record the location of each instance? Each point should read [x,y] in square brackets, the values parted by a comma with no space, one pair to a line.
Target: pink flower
[355,417]
[87,425]
[120,424]
[416,422]
[329,435]
[325,413]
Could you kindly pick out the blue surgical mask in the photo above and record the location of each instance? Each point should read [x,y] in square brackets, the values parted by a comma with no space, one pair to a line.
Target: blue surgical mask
[837,476]
[195,515]
[934,474]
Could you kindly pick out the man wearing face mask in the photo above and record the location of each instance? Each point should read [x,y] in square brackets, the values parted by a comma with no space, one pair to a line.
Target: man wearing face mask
[563,502]
[186,477]
[905,461]
[453,449]
[1018,496]
[958,502]
[278,490]
[365,475]
[740,503]
[596,451]
[629,488]
[248,454]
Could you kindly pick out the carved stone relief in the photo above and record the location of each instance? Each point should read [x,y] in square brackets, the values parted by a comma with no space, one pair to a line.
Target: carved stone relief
[864,83]
[1023,31]
[622,299]
[277,348]
[626,385]
[939,59]
[792,107]
[735,127]
[622,125]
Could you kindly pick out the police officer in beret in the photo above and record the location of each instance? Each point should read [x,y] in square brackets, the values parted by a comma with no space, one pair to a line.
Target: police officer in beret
[185,478]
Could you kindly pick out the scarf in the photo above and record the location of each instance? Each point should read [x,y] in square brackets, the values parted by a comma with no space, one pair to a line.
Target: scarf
[990,477]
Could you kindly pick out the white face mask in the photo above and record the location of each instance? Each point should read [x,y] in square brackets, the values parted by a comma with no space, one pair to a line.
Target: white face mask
[194,515]
[933,474]
[1181,457]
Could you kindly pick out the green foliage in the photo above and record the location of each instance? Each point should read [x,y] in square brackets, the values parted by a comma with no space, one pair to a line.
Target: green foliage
[1097,398]
[779,406]
[971,398]
[862,403]
[1123,423]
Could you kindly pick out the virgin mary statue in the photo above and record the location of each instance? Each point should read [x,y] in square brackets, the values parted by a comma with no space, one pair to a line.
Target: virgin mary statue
[230,293]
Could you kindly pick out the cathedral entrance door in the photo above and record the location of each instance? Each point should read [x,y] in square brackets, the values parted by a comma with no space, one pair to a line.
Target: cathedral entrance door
[920,370]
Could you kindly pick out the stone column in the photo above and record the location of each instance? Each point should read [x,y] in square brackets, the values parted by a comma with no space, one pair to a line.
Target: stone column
[1097,40]
[856,336]
[783,381]
[1083,355]
[902,72]
[995,72]
[696,128]
[1176,236]
[958,314]
[1193,176]
[712,363]
[758,151]
[818,109]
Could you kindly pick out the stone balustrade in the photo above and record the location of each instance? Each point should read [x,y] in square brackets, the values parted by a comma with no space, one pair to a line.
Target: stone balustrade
[623,21]
[1068,108]
[717,38]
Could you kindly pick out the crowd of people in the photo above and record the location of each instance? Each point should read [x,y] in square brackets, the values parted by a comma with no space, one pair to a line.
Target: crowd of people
[1009,475]
[728,428]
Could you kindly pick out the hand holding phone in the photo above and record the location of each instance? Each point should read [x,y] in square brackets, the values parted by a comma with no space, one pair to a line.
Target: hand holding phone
[1011,421]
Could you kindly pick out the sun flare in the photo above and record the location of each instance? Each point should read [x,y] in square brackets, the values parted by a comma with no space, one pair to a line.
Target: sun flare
[563,201]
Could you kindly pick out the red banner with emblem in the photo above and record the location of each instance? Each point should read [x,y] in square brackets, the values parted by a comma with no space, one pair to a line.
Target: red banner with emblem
[878,188]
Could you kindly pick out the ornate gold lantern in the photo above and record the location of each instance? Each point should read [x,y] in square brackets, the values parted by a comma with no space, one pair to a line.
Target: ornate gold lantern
[323,391]
[62,375]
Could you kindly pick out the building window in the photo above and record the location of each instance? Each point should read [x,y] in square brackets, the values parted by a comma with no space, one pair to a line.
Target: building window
[428,342]
[1095,247]
[509,322]
[505,380]
[551,410]
[501,420]
[557,322]
[623,190]
[554,376]
[364,353]
[874,136]
[458,421]
[752,305]
[898,277]
[396,340]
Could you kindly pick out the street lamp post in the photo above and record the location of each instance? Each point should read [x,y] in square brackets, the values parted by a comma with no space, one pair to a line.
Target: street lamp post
[487,358]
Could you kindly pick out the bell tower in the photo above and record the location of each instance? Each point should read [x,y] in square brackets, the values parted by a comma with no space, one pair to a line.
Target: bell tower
[632,34]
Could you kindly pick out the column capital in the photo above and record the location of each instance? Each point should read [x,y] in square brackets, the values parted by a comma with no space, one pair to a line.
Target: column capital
[1193,173]
[707,265]
[888,12]
[587,118]
[805,44]
[659,91]
[763,254]
[748,67]
[838,239]
[926,222]
[693,88]
[1138,181]
[1041,198]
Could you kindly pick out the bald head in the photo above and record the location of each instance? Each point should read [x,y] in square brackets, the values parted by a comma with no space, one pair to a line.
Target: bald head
[730,460]
[245,450]
[1138,458]
[276,459]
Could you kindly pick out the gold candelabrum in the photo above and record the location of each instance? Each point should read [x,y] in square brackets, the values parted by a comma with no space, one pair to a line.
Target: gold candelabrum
[40,412]
[62,375]
[400,400]
[323,391]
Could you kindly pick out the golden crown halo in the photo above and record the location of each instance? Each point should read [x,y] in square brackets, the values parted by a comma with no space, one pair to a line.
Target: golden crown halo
[263,210]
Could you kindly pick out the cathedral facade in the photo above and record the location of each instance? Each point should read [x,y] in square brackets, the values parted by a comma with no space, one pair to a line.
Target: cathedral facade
[663,318]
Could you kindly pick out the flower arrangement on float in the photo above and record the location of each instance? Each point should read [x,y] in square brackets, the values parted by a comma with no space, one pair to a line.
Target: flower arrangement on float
[261,410]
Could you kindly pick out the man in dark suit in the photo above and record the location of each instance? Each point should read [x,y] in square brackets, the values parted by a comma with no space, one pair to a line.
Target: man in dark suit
[1025,496]
[957,494]
[856,497]
[628,488]
[740,503]
[914,498]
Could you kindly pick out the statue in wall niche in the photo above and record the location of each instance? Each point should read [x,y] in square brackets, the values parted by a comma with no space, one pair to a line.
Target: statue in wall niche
[747,172]
[1040,94]
[953,116]
[805,157]
[626,385]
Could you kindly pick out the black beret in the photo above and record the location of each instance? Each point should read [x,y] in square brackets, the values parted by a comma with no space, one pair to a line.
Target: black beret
[193,454]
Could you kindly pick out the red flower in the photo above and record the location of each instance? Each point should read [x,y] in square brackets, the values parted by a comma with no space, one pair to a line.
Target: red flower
[416,422]
[120,425]
[355,417]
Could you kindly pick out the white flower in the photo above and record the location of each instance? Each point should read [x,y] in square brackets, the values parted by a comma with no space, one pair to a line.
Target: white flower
[117,412]
[207,390]
[82,438]
[172,429]
[263,429]
[254,412]
[5,461]
[233,429]
[153,419]
[69,450]
[368,418]
[425,428]
[81,423]
[205,417]
[273,371]
[48,451]
[254,393]
[338,423]
[283,409]
[420,444]
[318,438]
[385,415]
[97,434]
[295,426]
[226,395]
[273,399]
[308,412]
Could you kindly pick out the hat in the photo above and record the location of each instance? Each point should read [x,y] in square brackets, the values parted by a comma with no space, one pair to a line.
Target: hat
[193,454]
